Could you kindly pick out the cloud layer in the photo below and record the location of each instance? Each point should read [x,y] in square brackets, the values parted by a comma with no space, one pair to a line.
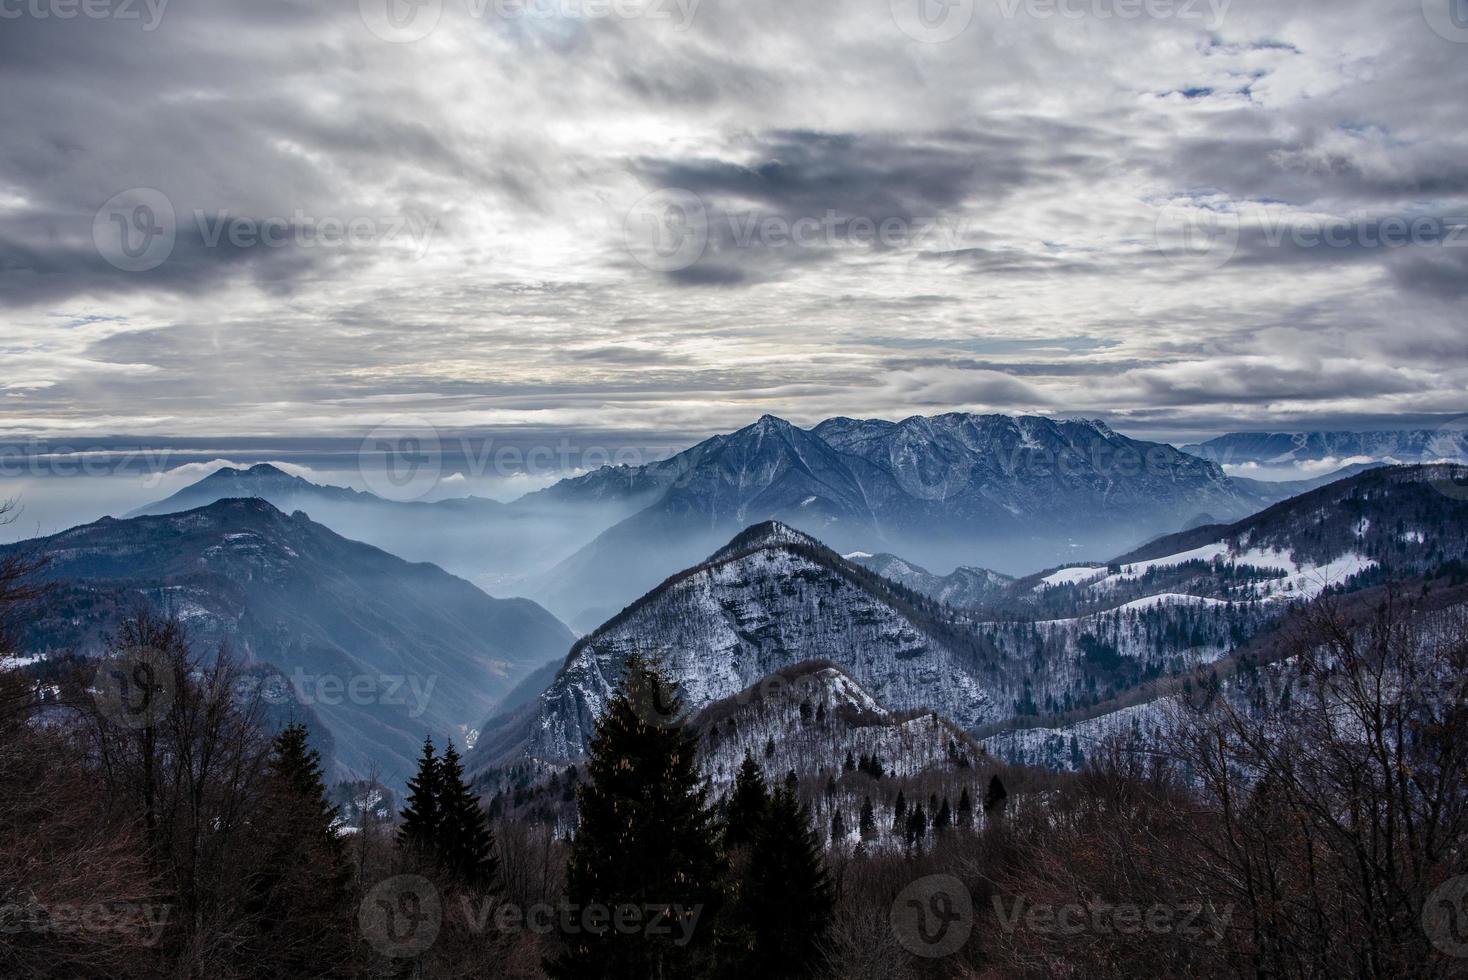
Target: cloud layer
[289,218]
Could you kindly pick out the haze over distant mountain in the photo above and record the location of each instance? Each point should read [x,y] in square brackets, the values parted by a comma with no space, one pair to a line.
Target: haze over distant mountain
[491,543]
[1014,494]
[427,651]
[1447,444]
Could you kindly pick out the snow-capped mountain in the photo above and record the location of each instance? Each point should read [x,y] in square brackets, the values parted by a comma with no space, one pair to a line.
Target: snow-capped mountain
[426,651]
[809,717]
[1053,644]
[771,599]
[963,588]
[1015,493]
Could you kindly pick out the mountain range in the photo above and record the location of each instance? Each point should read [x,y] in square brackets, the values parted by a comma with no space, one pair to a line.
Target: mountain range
[1444,444]
[1047,645]
[384,651]
[1010,494]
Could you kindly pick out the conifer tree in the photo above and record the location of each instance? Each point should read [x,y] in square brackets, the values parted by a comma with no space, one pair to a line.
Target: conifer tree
[995,796]
[868,823]
[838,828]
[917,826]
[299,892]
[965,809]
[850,764]
[647,837]
[944,819]
[465,843]
[746,807]
[786,899]
[899,812]
[421,819]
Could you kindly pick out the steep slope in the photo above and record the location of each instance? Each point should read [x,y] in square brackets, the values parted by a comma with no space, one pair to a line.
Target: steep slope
[383,650]
[812,719]
[770,599]
[808,717]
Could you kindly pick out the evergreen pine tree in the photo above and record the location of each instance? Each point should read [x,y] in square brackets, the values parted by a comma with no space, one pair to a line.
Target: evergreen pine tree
[944,819]
[786,898]
[995,796]
[465,842]
[746,807]
[965,809]
[299,892]
[850,764]
[868,823]
[917,826]
[647,837]
[421,818]
[838,828]
[899,812]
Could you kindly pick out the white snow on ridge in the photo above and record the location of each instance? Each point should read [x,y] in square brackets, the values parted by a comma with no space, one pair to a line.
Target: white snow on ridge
[1297,579]
[1146,602]
[1074,575]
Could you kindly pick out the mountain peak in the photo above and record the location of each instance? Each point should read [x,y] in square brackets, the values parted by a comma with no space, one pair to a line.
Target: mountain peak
[260,471]
[770,423]
[764,535]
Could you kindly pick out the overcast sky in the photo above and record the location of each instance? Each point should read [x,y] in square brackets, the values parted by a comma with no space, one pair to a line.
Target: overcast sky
[673,216]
